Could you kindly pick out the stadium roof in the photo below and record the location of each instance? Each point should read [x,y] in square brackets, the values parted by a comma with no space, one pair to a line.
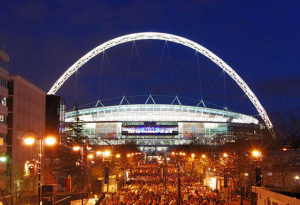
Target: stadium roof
[158,112]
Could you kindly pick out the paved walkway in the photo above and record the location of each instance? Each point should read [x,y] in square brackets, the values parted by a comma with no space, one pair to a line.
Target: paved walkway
[91,202]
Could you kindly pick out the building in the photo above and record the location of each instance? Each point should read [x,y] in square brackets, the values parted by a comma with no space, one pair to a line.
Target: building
[158,126]
[5,143]
[55,113]
[274,197]
[26,117]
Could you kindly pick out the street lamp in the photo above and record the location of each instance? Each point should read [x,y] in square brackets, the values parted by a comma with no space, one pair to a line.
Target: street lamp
[107,153]
[255,153]
[81,163]
[29,140]
[246,182]
[258,178]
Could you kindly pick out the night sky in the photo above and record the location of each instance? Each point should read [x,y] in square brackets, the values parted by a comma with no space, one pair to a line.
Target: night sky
[260,40]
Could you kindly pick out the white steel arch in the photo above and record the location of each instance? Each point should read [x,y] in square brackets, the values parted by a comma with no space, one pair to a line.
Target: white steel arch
[166,37]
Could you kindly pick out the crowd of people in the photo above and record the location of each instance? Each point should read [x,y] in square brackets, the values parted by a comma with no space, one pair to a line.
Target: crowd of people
[147,186]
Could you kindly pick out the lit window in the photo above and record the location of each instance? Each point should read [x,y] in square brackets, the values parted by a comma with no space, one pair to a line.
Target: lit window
[3,101]
[2,119]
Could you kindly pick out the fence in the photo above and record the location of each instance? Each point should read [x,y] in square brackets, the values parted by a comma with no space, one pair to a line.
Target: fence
[102,197]
[58,199]
[65,199]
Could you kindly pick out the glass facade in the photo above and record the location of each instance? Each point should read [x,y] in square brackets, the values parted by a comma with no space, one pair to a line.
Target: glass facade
[159,134]
[158,125]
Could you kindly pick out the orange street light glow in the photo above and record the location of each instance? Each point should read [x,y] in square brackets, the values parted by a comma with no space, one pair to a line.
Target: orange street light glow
[128,155]
[203,156]
[225,154]
[50,140]
[90,156]
[106,153]
[256,153]
[118,155]
[29,140]
[89,147]
[193,155]
[76,148]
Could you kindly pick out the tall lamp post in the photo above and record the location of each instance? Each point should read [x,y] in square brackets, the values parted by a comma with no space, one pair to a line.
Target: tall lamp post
[29,140]
[258,177]
[82,153]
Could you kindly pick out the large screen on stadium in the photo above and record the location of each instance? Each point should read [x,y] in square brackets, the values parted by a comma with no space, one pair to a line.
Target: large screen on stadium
[149,128]
[138,130]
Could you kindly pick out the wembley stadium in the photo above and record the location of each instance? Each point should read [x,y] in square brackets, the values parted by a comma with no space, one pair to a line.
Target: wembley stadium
[159,126]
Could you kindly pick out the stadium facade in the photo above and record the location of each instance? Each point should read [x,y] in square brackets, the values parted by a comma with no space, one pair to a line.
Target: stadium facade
[158,126]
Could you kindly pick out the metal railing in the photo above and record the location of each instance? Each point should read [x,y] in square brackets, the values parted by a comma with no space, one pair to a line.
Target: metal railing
[102,197]
[65,199]
[58,199]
